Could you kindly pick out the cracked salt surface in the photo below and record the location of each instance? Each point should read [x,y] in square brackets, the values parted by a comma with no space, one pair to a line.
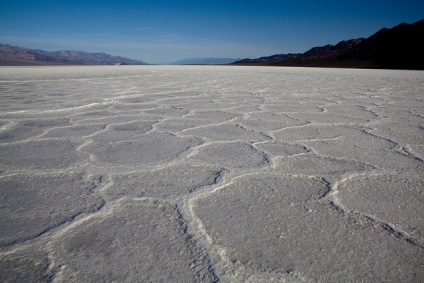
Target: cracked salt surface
[206,174]
[276,225]
[134,241]
[33,204]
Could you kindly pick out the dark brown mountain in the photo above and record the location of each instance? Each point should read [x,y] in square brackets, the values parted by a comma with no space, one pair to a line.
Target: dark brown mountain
[269,59]
[13,55]
[401,47]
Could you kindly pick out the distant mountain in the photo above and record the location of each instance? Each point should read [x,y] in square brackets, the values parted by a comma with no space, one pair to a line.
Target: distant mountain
[401,47]
[13,55]
[205,61]
[269,59]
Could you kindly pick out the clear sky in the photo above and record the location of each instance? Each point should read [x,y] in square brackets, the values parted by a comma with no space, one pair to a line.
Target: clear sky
[159,31]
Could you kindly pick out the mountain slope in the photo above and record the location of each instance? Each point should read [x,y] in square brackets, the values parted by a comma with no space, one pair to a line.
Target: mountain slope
[401,47]
[14,55]
[205,61]
[268,59]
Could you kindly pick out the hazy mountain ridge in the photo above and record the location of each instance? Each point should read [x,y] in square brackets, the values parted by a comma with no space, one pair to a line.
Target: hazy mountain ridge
[14,55]
[401,47]
[205,61]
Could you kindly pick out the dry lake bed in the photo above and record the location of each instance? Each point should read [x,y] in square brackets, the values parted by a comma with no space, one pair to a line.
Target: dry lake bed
[207,174]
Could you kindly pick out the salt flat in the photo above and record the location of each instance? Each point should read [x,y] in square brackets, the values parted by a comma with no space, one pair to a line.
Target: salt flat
[206,174]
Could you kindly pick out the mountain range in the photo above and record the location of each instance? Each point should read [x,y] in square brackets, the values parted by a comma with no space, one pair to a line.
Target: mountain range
[205,61]
[401,47]
[13,55]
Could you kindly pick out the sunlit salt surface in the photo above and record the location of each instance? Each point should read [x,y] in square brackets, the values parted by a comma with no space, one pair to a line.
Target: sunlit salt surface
[206,174]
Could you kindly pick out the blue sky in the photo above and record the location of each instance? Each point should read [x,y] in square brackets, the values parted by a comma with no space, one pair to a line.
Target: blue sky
[158,31]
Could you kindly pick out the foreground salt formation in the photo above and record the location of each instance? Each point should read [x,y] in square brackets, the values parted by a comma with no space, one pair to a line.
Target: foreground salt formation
[206,174]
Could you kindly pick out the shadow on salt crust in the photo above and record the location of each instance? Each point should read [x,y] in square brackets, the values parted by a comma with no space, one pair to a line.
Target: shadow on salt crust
[29,264]
[136,241]
[273,224]
[22,270]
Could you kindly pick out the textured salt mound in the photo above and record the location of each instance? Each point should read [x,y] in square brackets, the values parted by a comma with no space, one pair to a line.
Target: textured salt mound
[93,114]
[394,199]
[351,110]
[365,147]
[276,148]
[322,166]
[167,112]
[202,104]
[28,128]
[166,182]
[40,154]
[226,132]
[136,100]
[406,133]
[123,107]
[235,154]
[290,108]
[174,125]
[270,224]
[34,204]
[326,117]
[243,109]
[152,149]
[115,119]
[125,131]
[211,116]
[268,121]
[312,132]
[18,132]
[137,241]
[74,131]
[418,149]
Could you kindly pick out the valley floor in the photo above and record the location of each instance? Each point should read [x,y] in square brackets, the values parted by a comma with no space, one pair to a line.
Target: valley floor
[211,173]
